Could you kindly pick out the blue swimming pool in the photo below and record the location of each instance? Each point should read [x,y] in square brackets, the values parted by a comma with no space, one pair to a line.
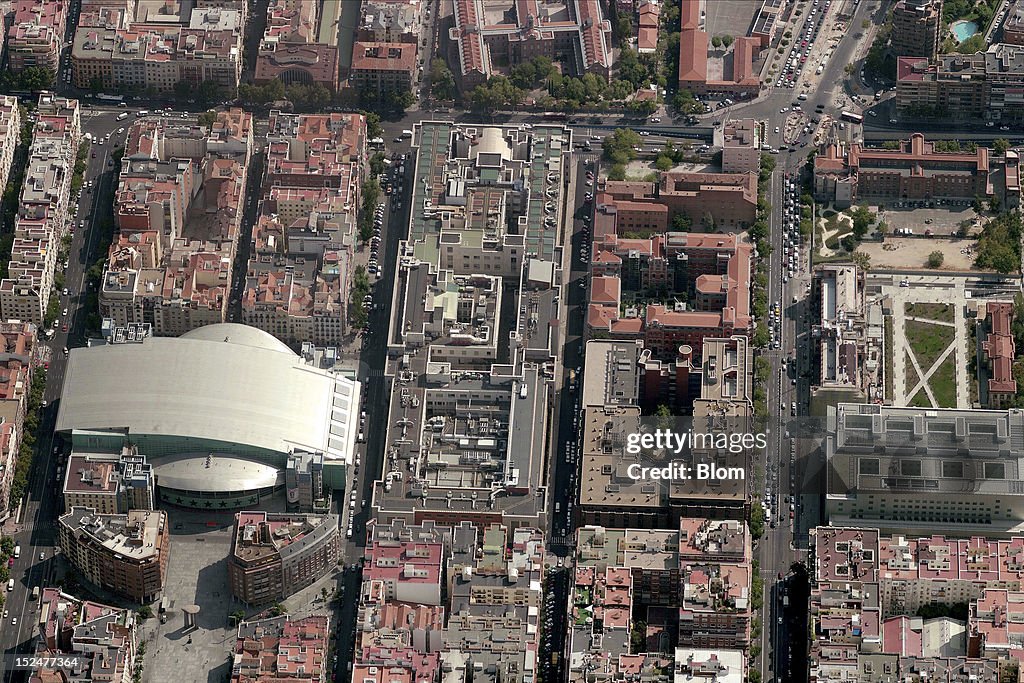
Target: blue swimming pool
[963,30]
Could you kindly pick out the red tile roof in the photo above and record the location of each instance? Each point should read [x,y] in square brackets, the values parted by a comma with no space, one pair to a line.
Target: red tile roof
[693,57]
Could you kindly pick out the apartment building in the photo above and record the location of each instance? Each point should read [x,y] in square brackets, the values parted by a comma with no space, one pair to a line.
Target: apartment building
[495,579]
[177,211]
[866,589]
[282,649]
[290,49]
[722,202]
[741,146]
[274,555]
[471,183]
[300,264]
[902,470]
[449,600]
[914,172]
[17,342]
[694,581]
[711,271]
[126,554]
[109,484]
[986,85]
[382,68]
[304,483]
[43,210]
[483,36]
[119,52]
[36,35]
[403,638]
[104,639]
[1013,26]
[616,375]
[916,28]
[10,134]
[406,569]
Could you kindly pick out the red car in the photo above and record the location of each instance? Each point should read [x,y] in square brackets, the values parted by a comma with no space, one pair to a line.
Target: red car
[64,328]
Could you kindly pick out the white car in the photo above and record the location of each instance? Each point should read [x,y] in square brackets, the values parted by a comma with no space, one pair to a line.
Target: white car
[65,312]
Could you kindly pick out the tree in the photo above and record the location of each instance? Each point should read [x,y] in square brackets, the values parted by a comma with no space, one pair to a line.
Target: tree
[622,30]
[999,244]
[663,417]
[617,172]
[727,40]
[96,85]
[663,163]
[716,42]
[681,222]
[442,81]
[999,146]
[145,612]
[236,617]
[373,127]
[399,99]
[619,147]
[935,259]
[861,260]
[207,118]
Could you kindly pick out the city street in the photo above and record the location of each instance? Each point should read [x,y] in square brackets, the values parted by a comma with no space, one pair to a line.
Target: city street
[34,528]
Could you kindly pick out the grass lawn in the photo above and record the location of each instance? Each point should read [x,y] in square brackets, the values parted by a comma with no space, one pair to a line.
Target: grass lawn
[943,383]
[941,312]
[920,400]
[927,341]
[910,376]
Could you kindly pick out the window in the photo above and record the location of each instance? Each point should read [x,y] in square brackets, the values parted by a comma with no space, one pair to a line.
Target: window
[995,470]
[953,470]
[910,468]
[869,466]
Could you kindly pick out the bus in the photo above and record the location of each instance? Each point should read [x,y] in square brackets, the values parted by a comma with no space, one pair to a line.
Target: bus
[851,117]
[555,116]
[110,98]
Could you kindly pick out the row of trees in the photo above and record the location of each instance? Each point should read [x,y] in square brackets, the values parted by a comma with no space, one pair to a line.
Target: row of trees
[311,97]
[999,244]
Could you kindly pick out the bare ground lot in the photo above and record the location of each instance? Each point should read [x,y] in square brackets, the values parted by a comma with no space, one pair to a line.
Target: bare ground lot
[912,252]
[729,18]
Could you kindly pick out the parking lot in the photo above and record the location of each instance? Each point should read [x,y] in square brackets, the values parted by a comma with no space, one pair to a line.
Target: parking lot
[940,220]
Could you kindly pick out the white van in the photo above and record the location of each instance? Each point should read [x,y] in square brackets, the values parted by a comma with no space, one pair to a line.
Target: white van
[142,112]
[122,116]
[10,585]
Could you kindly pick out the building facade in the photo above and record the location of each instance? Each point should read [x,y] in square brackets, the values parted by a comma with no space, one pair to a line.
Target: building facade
[916,28]
[275,555]
[126,554]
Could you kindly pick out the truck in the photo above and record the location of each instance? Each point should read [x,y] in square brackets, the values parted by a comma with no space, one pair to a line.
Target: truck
[406,134]
[35,593]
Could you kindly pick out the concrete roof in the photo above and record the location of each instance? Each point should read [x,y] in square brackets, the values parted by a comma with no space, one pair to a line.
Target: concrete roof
[225,382]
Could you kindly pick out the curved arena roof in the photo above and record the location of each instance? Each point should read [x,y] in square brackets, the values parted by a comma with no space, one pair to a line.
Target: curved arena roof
[226,382]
